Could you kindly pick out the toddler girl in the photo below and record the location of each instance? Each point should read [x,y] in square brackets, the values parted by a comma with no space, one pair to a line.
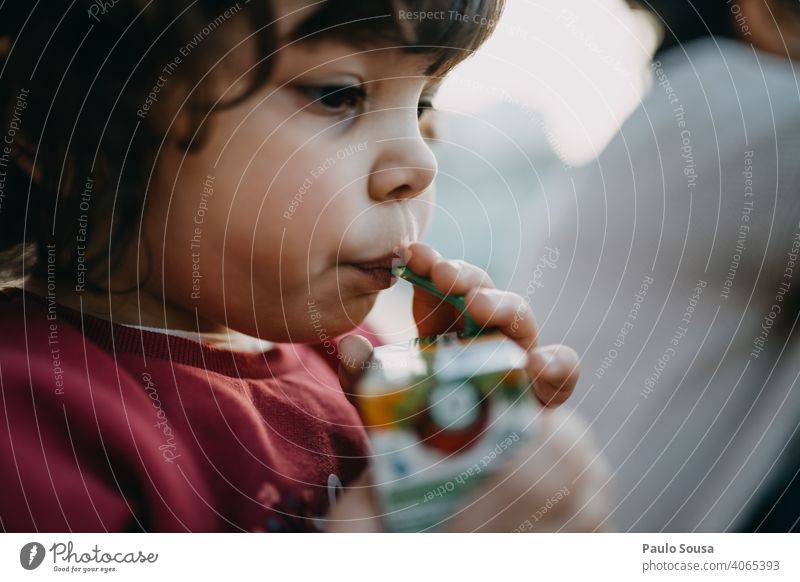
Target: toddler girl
[197,198]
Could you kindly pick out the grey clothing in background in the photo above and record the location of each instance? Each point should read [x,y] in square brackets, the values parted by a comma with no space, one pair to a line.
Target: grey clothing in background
[672,265]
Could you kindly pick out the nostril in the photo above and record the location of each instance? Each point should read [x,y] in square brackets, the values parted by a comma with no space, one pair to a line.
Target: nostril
[404,191]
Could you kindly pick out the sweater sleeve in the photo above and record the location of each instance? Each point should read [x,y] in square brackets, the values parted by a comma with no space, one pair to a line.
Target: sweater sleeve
[46,487]
[80,449]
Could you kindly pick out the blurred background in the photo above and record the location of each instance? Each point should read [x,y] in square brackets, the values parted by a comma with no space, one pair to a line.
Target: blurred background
[635,178]
[545,94]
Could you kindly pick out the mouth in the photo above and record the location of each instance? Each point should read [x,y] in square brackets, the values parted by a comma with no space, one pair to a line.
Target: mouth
[374,274]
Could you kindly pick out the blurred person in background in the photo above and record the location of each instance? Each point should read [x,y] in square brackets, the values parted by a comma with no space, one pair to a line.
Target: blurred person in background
[679,276]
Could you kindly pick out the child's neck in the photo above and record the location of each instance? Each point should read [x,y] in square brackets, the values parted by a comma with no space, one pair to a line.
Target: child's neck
[139,308]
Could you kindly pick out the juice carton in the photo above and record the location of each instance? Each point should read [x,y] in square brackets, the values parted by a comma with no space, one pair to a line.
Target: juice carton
[442,414]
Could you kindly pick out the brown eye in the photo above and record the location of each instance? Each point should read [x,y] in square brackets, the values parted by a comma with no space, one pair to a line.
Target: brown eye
[427,124]
[335,99]
[423,107]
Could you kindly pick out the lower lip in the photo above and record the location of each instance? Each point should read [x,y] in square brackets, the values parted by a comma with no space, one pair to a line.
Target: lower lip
[374,279]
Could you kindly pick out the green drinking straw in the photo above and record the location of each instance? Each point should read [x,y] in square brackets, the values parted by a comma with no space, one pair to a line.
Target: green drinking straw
[470,327]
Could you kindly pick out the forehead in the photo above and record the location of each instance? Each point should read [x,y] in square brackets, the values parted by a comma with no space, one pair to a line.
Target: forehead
[389,51]
[376,60]
[289,14]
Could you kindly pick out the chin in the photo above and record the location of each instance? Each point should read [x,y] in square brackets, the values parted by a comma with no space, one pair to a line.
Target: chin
[340,318]
[318,321]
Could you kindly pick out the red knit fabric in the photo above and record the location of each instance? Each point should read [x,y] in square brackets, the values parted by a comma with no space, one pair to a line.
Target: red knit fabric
[110,428]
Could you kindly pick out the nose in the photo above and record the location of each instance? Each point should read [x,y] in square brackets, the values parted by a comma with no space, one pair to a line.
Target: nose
[404,168]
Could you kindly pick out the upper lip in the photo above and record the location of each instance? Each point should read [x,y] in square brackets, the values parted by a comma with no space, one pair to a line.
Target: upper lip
[386,261]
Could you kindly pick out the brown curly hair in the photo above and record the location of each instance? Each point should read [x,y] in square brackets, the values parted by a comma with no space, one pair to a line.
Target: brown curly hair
[83,108]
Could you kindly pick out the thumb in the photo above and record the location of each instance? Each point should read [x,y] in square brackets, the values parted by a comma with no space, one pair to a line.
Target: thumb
[355,352]
[356,509]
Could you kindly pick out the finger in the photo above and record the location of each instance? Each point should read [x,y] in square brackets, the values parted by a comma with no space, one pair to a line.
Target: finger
[420,258]
[504,310]
[456,277]
[355,509]
[554,371]
[433,315]
[561,458]
[522,482]
[355,352]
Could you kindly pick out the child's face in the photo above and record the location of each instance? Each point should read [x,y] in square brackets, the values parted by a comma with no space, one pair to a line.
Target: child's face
[272,226]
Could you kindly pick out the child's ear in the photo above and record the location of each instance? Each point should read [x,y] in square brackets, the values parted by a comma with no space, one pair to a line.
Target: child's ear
[23,158]
[184,133]
[189,120]
[176,118]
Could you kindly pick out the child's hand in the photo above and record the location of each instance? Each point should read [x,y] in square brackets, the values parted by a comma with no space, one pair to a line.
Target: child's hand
[553,369]
[559,460]
[558,482]
[555,483]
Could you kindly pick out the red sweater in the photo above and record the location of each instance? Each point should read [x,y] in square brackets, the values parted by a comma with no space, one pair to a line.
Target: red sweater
[110,428]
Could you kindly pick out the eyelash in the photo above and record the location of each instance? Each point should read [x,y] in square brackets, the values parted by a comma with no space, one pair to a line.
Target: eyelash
[424,106]
[333,97]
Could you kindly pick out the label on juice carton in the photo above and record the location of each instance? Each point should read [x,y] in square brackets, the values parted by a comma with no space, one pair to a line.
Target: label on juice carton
[442,414]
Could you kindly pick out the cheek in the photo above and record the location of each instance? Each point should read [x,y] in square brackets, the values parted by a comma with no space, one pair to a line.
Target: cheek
[311,203]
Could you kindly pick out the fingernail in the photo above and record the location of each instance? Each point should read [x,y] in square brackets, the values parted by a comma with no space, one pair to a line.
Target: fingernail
[551,365]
